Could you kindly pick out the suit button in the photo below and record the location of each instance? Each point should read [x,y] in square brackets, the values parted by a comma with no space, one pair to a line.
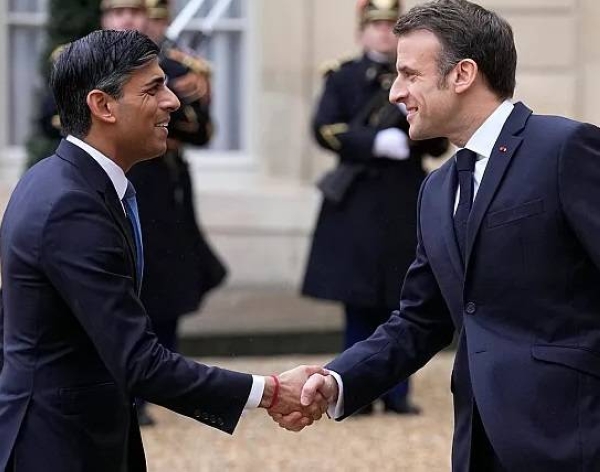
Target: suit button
[204,416]
[213,419]
[470,308]
[220,422]
[197,414]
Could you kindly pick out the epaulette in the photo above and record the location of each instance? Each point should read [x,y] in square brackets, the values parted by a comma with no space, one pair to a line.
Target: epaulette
[192,62]
[56,52]
[333,65]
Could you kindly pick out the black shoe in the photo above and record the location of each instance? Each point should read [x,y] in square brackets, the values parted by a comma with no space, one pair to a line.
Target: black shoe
[144,419]
[402,408]
[364,411]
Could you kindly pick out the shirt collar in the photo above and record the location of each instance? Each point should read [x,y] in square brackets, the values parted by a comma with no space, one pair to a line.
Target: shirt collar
[114,172]
[482,142]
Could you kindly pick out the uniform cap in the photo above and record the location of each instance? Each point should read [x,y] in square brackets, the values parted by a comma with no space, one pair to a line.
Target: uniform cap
[157,9]
[112,4]
[373,10]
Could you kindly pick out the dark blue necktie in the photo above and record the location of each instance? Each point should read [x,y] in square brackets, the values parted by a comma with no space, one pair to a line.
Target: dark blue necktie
[465,164]
[131,210]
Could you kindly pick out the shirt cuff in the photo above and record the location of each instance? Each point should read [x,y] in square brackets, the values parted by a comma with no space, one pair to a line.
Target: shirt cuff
[256,392]
[336,410]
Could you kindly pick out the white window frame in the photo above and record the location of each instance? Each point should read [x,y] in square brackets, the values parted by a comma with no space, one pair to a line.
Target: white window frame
[244,159]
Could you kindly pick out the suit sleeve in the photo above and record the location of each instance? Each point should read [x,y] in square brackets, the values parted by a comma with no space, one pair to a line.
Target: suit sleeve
[420,328]
[1,331]
[579,186]
[332,125]
[84,256]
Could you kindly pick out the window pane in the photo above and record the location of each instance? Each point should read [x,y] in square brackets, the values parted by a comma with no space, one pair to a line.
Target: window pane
[224,51]
[23,6]
[25,44]
[234,9]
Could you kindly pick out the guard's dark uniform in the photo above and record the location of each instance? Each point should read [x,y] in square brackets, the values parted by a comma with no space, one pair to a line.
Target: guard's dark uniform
[364,241]
[180,266]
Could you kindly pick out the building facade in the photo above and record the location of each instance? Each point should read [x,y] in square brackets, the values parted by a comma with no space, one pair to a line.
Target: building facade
[255,185]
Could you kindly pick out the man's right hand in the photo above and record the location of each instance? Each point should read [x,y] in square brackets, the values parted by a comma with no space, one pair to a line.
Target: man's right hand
[325,385]
[319,388]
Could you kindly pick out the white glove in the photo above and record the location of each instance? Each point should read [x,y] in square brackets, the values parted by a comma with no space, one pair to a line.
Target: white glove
[391,143]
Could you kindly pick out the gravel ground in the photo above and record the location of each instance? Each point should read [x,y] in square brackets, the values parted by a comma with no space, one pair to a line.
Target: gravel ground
[381,442]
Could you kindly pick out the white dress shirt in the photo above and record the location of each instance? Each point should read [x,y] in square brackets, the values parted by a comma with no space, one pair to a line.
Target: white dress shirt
[114,172]
[119,181]
[481,143]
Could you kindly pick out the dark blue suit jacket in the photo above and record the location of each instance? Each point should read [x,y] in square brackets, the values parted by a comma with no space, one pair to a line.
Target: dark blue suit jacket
[526,307]
[77,342]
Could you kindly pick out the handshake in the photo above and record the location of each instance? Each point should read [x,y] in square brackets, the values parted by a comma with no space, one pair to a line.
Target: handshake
[298,397]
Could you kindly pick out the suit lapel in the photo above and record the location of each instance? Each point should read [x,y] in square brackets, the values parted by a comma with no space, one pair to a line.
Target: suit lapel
[116,210]
[502,154]
[100,182]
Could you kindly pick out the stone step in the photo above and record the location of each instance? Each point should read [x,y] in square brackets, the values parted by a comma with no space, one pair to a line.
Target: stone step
[261,321]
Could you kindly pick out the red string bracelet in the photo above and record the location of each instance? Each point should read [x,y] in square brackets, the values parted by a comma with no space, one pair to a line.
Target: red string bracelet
[275,392]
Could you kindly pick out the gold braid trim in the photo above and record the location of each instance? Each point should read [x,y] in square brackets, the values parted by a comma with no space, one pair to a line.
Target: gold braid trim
[194,63]
[329,132]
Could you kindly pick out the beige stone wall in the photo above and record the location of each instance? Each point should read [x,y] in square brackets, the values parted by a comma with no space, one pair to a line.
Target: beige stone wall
[589,60]
[559,61]
[3,62]
[261,218]
[264,226]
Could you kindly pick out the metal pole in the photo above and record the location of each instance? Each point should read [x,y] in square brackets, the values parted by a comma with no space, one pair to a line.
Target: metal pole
[183,18]
[214,15]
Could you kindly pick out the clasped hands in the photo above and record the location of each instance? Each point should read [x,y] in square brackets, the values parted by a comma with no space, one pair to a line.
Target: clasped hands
[302,396]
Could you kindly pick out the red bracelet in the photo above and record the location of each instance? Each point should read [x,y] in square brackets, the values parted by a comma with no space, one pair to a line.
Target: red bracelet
[275,392]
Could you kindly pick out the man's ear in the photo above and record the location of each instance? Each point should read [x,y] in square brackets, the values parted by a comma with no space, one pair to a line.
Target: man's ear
[464,74]
[101,106]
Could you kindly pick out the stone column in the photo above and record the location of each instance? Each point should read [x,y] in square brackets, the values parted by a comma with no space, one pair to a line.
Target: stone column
[589,60]
[3,75]
[285,48]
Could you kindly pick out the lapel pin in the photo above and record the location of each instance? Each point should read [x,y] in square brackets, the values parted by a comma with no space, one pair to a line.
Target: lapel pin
[503,149]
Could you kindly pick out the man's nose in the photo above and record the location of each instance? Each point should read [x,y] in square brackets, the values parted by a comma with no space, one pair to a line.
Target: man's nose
[170,101]
[397,91]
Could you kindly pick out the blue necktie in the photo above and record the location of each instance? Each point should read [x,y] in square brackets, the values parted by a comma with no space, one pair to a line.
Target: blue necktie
[131,209]
[465,165]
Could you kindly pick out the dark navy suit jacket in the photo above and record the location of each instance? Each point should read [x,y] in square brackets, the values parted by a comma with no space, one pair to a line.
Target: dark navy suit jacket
[526,307]
[77,342]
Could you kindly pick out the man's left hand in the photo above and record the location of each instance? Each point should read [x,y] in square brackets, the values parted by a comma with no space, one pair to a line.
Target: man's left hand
[288,404]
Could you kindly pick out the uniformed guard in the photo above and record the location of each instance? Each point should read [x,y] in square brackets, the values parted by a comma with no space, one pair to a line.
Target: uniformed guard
[365,236]
[180,266]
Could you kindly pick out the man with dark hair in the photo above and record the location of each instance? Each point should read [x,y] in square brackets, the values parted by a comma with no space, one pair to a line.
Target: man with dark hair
[76,343]
[364,241]
[180,266]
[507,257]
